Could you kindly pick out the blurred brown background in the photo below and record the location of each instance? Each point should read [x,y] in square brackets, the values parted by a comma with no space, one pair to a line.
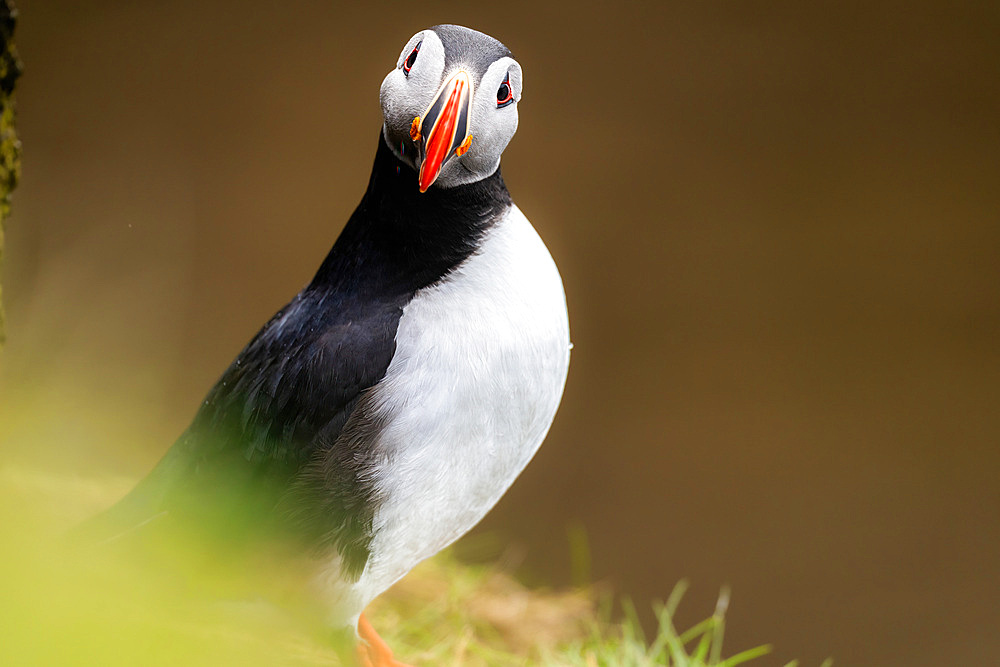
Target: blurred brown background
[779,228]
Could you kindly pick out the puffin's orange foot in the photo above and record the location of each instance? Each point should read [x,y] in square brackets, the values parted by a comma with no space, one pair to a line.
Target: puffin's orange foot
[372,650]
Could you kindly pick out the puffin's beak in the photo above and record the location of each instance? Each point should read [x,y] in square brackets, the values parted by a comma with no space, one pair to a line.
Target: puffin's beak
[444,128]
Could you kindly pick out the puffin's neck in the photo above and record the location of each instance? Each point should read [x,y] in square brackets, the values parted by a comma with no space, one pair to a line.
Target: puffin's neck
[399,239]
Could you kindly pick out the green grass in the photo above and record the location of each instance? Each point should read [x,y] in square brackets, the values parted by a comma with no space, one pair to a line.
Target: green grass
[500,623]
[108,608]
[625,644]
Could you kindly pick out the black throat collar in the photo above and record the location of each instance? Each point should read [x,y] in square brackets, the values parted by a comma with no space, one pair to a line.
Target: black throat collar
[400,240]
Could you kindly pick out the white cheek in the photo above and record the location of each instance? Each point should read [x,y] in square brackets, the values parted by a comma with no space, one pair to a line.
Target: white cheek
[389,92]
[492,130]
[403,98]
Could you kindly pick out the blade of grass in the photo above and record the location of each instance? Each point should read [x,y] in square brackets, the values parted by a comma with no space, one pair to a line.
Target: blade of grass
[719,616]
[744,656]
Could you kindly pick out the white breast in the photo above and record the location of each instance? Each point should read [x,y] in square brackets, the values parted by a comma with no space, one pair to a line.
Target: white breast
[479,369]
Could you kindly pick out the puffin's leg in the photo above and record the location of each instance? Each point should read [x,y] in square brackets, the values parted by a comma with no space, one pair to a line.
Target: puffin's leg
[372,650]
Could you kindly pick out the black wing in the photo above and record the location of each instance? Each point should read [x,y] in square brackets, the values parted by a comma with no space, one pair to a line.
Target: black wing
[264,451]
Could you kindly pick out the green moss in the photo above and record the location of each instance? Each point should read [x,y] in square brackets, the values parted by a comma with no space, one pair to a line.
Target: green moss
[10,145]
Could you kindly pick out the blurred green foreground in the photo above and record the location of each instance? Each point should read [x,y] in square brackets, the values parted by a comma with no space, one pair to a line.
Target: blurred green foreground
[63,604]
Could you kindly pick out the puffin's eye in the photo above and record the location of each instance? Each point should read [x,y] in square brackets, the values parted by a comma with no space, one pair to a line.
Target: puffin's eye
[504,94]
[412,58]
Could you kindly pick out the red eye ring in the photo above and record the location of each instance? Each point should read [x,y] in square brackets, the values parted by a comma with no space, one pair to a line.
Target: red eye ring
[412,58]
[505,94]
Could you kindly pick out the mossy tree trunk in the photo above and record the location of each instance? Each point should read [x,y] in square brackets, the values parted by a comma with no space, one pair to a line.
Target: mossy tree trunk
[10,147]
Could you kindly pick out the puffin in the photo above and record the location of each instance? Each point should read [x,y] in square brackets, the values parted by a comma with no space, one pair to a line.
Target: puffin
[383,411]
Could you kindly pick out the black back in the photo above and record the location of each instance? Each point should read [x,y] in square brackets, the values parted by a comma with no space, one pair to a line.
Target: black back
[281,442]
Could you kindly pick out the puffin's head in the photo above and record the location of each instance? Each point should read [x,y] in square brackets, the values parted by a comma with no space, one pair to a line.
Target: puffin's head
[450,106]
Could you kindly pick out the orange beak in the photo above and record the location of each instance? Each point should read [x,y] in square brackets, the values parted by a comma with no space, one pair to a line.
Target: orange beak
[448,120]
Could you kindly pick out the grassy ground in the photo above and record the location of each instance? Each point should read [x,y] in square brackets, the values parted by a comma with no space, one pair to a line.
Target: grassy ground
[110,608]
